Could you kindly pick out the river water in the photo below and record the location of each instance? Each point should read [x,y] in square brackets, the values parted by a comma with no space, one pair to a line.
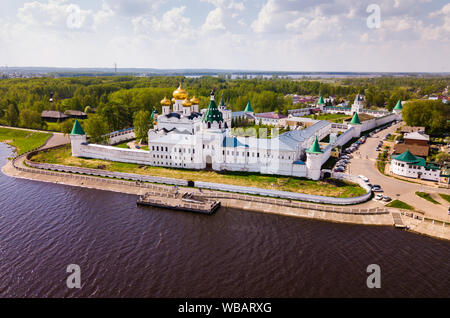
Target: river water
[127,251]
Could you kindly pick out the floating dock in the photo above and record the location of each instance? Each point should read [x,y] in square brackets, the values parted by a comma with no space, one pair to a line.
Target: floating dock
[182,202]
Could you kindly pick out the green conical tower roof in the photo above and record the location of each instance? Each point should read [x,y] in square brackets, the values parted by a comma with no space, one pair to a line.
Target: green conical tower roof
[321,101]
[212,113]
[355,119]
[77,129]
[315,148]
[398,106]
[222,102]
[248,108]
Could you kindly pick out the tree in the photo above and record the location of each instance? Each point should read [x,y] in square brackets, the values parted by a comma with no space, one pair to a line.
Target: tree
[66,126]
[12,115]
[142,123]
[96,128]
[431,114]
[442,157]
[30,119]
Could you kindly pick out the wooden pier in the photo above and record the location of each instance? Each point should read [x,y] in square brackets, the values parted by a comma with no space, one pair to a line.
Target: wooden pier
[179,201]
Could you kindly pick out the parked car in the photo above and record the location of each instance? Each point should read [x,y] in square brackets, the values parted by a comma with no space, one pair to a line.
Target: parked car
[379,197]
[386,199]
[377,189]
[364,178]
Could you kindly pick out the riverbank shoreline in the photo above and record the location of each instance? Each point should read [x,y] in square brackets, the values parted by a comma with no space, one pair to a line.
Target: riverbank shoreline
[415,225]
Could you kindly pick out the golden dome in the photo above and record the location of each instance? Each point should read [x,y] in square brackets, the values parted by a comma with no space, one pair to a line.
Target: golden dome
[165,102]
[187,103]
[173,100]
[195,101]
[180,93]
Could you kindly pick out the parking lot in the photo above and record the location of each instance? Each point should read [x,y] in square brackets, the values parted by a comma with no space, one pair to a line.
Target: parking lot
[362,161]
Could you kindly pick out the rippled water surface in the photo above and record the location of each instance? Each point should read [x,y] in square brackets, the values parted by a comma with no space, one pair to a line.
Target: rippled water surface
[127,251]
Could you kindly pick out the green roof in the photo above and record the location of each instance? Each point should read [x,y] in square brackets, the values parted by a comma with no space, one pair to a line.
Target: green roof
[408,157]
[212,113]
[320,100]
[355,119]
[315,148]
[222,102]
[77,129]
[248,108]
[398,106]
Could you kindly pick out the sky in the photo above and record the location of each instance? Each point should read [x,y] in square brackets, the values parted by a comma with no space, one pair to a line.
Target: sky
[272,35]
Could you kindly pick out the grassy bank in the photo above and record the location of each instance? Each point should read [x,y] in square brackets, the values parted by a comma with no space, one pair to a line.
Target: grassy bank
[123,145]
[335,188]
[400,205]
[427,197]
[446,197]
[23,140]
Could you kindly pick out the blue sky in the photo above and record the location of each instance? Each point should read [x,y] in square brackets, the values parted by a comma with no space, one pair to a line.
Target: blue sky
[288,35]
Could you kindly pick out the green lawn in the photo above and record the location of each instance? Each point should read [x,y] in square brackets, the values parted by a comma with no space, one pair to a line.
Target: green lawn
[336,118]
[381,165]
[400,205]
[23,140]
[391,137]
[329,187]
[260,131]
[427,197]
[53,126]
[122,145]
[446,197]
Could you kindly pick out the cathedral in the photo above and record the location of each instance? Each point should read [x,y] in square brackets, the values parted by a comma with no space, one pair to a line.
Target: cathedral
[183,137]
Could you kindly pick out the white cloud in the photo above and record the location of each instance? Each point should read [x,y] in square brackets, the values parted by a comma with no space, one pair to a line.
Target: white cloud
[133,8]
[214,21]
[172,22]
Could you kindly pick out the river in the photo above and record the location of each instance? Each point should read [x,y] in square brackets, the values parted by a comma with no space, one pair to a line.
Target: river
[127,251]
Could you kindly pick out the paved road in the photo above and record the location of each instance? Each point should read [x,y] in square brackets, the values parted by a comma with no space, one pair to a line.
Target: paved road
[365,163]
[34,130]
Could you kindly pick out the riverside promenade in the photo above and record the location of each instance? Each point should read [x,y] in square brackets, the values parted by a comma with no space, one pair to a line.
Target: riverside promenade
[356,214]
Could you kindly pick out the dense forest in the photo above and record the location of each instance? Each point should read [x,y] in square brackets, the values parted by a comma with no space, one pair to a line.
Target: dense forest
[117,99]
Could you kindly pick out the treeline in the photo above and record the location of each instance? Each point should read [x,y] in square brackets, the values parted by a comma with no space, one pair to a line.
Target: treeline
[117,99]
[431,114]
[386,91]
